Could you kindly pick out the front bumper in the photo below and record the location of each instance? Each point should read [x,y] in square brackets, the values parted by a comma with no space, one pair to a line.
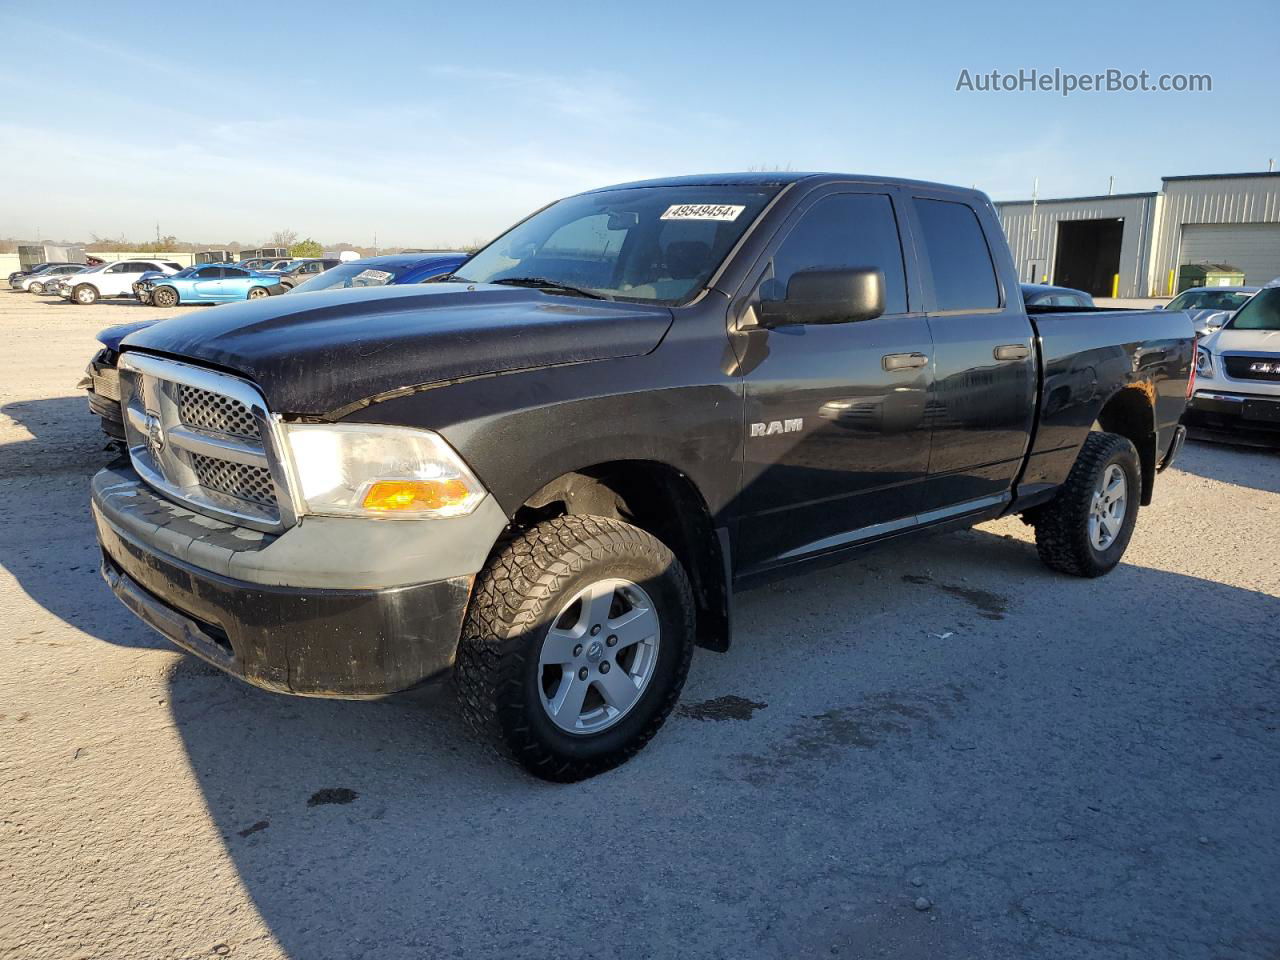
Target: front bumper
[230,595]
[1235,416]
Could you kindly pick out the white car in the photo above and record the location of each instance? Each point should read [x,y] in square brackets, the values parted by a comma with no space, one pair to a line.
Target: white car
[1237,385]
[113,279]
[41,281]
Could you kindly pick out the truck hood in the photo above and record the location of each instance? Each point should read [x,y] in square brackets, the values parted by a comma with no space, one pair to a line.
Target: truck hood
[316,353]
[111,337]
[1257,341]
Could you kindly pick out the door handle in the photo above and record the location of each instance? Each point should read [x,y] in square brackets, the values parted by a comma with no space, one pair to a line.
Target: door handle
[903,361]
[1012,351]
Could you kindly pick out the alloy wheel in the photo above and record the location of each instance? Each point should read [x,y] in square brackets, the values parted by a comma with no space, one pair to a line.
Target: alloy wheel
[598,656]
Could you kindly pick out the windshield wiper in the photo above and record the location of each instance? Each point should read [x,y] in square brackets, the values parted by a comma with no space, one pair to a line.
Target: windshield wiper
[542,283]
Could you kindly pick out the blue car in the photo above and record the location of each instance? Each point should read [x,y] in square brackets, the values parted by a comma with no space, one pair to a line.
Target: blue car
[394,268]
[204,283]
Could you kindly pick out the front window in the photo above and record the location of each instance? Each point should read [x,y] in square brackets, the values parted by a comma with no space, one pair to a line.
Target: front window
[1260,313]
[1209,300]
[648,244]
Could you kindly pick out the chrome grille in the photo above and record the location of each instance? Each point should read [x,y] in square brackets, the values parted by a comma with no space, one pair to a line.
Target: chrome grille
[214,411]
[1244,367]
[235,479]
[204,439]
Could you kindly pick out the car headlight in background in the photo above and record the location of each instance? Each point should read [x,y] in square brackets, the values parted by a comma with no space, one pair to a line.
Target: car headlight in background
[367,470]
[1204,362]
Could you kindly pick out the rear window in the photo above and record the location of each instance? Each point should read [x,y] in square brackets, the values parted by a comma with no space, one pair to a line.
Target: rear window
[963,275]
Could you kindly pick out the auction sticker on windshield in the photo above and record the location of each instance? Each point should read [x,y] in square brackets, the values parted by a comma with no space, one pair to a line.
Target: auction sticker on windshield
[371,278]
[703,211]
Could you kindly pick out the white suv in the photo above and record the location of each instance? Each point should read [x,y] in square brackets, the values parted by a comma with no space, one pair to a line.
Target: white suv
[113,279]
[1237,384]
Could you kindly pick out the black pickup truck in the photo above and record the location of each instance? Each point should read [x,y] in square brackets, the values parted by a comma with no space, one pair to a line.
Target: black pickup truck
[548,474]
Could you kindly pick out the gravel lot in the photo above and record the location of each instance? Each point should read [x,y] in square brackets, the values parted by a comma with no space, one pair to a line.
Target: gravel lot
[1048,767]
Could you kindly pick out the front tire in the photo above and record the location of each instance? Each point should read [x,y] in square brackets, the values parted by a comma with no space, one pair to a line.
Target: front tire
[576,646]
[86,294]
[36,288]
[257,293]
[1085,529]
[164,297]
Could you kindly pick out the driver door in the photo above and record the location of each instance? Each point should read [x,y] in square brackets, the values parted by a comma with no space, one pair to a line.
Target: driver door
[837,444]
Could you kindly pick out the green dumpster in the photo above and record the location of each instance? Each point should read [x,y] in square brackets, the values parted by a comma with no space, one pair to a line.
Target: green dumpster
[1209,275]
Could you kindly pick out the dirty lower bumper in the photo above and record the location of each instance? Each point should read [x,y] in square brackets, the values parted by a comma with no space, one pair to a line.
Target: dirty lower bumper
[1235,417]
[313,640]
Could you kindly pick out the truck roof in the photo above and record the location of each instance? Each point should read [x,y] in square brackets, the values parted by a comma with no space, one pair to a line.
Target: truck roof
[775,179]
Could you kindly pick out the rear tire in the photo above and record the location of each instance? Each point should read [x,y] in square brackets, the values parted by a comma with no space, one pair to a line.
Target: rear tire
[36,288]
[164,297]
[519,662]
[86,294]
[1085,529]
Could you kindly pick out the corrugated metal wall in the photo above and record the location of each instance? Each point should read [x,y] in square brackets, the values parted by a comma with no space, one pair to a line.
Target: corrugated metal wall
[1246,199]
[1035,240]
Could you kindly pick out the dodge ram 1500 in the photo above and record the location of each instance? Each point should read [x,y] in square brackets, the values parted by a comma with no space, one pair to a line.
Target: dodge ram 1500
[548,475]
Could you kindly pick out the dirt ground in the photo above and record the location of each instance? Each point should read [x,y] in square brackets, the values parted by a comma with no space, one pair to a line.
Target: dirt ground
[940,750]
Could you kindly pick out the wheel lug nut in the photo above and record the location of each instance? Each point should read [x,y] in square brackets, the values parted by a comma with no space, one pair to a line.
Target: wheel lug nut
[612,640]
[595,630]
[604,667]
[582,674]
[577,651]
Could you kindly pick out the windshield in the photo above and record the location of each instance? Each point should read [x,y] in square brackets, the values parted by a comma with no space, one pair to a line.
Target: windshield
[651,244]
[1260,313]
[1209,300]
[348,275]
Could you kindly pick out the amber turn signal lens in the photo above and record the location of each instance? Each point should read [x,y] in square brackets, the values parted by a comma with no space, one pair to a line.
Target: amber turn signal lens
[415,494]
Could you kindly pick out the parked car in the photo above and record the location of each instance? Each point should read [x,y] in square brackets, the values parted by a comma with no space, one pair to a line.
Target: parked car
[549,476]
[1044,295]
[256,264]
[1210,307]
[207,283]
[1237,386]
[299,271]
[16,277]
[389,270]
[36,282]
[114,279]
[102,379]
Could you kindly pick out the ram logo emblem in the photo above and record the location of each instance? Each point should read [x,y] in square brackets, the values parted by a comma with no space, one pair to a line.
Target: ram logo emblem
[774,427]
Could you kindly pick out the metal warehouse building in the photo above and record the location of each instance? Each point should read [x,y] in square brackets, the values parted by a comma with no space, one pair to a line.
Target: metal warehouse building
[1133,244]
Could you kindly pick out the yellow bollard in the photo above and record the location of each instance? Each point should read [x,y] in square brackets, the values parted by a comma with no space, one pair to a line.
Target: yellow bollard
[1115,286]
[1169,290]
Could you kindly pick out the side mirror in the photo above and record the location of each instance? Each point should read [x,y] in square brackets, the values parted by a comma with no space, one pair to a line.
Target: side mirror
[827,296]
[1158,306]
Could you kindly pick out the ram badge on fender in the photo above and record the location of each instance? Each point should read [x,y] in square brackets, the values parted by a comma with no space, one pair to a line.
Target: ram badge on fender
[549,474]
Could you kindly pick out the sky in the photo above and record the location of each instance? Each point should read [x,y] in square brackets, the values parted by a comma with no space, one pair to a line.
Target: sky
[427,124]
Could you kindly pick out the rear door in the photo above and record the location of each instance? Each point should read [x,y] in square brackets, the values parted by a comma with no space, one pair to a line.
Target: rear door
[235,284]
[981,401]
[837,447]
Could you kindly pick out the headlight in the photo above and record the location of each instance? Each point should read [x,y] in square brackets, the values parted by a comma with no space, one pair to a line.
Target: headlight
[1204,362]
[366,470]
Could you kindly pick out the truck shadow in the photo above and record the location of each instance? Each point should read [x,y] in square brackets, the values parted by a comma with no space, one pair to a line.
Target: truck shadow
[975,729]
[46,533]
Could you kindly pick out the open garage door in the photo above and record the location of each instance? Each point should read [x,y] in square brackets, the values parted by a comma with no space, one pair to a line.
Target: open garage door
[1252,247]
[1088,256]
